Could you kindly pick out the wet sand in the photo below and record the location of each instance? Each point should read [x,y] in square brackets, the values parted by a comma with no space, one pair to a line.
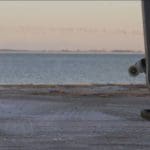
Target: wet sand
[55,117]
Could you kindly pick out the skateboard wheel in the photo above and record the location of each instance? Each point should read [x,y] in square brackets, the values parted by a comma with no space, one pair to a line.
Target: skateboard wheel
[133,71]
[145,114]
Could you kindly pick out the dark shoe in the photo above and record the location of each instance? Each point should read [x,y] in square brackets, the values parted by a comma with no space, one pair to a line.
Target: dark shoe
[145,114]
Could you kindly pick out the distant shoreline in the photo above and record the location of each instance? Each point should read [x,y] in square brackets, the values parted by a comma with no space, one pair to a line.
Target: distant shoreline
[2,51]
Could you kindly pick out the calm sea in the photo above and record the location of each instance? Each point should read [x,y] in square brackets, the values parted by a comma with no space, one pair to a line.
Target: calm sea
[67,68]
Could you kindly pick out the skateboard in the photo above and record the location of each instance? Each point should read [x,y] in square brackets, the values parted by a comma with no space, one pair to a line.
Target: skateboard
[146,25]
[143,65]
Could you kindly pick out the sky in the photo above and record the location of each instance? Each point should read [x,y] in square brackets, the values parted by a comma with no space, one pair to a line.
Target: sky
[71,25]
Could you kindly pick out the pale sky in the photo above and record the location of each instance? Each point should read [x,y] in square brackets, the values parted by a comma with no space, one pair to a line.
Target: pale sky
[85,25]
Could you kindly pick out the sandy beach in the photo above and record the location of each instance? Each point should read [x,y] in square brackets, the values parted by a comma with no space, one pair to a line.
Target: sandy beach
[53,117]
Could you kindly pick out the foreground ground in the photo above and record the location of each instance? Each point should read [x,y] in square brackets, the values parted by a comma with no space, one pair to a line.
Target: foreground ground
[97,117]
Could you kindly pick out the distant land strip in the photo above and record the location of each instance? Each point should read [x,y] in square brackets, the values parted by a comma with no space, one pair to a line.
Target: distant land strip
[72,51]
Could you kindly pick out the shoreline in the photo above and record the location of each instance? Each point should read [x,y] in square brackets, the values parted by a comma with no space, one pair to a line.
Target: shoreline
[101,90]
[69,52]
[82,84]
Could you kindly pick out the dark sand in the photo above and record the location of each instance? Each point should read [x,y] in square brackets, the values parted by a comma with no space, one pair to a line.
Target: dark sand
[97,117]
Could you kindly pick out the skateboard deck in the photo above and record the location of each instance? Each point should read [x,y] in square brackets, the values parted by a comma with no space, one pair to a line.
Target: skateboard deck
[146,23]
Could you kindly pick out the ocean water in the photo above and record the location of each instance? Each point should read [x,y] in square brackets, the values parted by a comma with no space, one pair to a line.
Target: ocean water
[29,68]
